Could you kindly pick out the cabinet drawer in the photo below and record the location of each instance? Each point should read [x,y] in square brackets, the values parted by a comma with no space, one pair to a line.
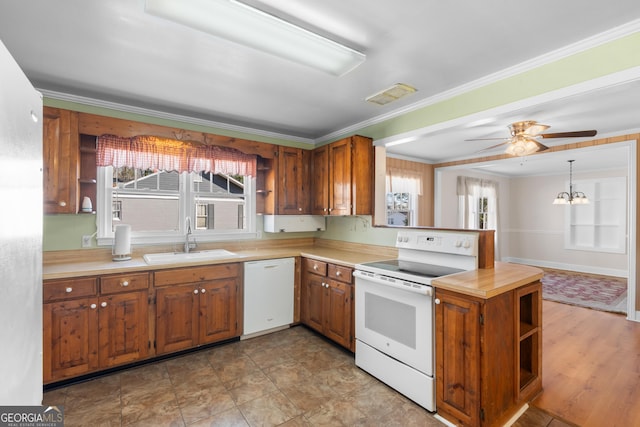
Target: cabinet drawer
[315,267]
[56,290]
[123,283]
[195,274]
[338,272]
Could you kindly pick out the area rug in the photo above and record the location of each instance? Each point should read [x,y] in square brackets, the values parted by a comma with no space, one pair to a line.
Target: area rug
[605,293]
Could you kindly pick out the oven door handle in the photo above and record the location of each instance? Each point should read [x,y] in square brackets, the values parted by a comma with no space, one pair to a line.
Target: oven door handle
[394,283]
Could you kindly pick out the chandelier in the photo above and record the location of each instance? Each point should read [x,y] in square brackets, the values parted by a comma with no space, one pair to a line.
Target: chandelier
[572,197]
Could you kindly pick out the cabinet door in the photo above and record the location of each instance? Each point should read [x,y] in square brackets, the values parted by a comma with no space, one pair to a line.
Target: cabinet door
[315,295]
[337,313]
[340,177]
[70,335]
[458,357]
[124,328]
[217,311]
[292,199]
[320,185]
[176,318]
[60,160]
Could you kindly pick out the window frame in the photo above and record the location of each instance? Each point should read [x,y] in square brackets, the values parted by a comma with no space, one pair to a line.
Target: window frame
[187,198]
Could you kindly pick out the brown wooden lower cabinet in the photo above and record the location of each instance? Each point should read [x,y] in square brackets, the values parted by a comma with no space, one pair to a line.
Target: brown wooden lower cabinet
[196,306]
[327,301]
[483,346]
[87,327]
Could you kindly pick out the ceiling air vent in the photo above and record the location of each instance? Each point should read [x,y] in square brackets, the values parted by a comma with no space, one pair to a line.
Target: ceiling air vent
[391,94]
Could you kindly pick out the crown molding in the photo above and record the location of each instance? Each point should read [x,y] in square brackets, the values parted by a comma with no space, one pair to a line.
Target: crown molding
[548,58]
[61,96]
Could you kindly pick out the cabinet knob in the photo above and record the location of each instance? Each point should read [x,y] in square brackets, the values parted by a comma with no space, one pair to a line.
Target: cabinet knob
[103,304]
[69,290]
[437,300]
[300,209]
[195,291]
[202,291]
[93,306]
[338,273]
[62,203]
[315,267]
[124,283]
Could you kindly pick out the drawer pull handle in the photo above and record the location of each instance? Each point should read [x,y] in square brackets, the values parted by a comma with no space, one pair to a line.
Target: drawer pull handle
[93,306]
[124,283]
[103,304]
[338,273]
[62,203]
[69,290]
[315,266]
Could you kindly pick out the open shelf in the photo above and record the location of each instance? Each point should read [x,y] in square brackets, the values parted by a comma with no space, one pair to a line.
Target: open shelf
[529,340]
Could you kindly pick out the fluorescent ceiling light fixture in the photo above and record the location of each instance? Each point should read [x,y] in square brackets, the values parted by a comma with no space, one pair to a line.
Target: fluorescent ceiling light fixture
[251,27]
[391,94]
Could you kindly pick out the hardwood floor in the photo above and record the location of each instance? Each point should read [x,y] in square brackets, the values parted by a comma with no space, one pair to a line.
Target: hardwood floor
[591,367]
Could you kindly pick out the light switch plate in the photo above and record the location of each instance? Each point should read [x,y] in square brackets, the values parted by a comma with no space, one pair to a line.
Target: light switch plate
[86,241]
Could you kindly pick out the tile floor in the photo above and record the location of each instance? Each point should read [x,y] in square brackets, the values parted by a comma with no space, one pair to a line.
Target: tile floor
[290,378]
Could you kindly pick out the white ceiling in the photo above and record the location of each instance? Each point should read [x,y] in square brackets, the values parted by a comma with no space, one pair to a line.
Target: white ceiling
[112,51]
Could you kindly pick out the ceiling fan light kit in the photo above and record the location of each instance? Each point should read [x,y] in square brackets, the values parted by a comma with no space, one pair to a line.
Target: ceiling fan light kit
[571,197]
[523,137]
[243,24]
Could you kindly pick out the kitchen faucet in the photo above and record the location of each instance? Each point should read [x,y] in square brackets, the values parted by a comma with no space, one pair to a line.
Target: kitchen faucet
[187,244]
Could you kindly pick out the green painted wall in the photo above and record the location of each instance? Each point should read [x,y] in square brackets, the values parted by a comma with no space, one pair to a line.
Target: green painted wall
[64,232]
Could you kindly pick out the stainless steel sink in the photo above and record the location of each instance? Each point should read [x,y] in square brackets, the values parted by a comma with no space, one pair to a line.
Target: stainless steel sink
[181,257]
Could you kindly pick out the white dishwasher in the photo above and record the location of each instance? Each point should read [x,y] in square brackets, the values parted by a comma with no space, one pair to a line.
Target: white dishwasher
[268,294]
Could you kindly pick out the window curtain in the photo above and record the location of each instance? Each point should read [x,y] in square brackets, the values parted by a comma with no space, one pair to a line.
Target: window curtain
[150,152]
[404,181]
[470,190]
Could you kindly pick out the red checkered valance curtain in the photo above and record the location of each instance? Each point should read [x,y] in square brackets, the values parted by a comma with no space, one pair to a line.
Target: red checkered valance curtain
[150,152]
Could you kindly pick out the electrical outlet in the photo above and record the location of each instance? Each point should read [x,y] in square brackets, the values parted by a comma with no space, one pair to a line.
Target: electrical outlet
[86,241]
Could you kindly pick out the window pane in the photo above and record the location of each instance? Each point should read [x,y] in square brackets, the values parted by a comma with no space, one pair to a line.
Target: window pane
[146,200]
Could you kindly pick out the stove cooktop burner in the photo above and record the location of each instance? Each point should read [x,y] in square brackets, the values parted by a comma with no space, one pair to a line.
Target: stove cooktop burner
[412,268]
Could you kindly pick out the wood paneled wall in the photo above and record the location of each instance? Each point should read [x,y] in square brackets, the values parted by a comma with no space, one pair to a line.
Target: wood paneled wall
[425,201]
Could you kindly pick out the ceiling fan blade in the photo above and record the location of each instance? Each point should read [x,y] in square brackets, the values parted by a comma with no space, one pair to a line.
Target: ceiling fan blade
[576,134]
[493,146]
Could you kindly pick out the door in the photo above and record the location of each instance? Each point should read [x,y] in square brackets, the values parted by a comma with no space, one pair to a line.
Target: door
[60,154]
[292,199]
[337,312]
[314,302]
[340,177]
[217,310]
[458,356]
[70,331]
[124,332]
[320,174]
[176,318]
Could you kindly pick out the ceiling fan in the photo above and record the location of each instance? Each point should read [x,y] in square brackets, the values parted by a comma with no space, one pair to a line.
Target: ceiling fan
[523,137]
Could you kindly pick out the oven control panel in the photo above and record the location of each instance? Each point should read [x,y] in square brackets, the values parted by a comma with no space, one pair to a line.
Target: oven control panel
[454,242]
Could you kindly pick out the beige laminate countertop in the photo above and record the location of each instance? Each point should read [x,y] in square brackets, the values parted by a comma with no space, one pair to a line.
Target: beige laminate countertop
[483,283]
[489,282]
[64,270]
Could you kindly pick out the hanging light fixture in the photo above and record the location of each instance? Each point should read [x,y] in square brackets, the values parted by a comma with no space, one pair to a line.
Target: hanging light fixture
[572,197]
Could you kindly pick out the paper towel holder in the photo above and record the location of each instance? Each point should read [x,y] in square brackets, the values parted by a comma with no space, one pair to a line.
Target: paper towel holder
[121,250]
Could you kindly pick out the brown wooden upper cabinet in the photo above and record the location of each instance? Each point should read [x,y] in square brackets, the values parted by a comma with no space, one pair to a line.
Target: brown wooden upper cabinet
[60,160]
[343,177]
[292,189]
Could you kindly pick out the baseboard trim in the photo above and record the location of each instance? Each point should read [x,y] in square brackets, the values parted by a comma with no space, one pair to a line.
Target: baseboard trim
[570,267]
